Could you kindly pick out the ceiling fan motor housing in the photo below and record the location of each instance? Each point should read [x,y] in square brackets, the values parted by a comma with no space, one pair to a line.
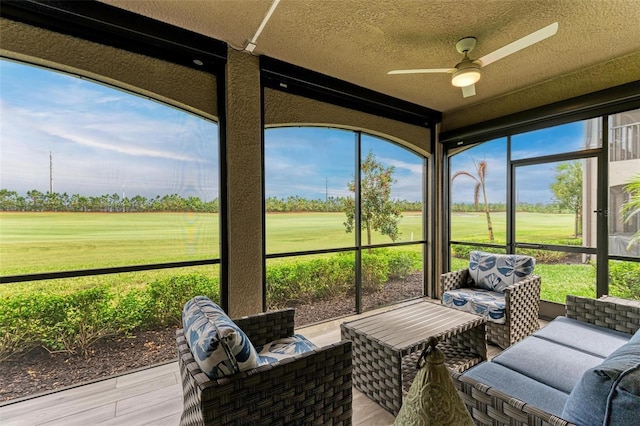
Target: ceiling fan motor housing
[466,45]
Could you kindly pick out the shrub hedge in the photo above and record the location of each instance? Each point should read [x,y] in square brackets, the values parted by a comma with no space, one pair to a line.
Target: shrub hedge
[462,251]
[624,279]
[304,281]
[73,321]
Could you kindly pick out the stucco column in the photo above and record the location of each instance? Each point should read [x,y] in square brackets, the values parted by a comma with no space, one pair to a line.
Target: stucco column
[244,179]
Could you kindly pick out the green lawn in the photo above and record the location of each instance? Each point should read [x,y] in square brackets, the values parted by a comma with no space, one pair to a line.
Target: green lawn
[43,242]
[40,242]
[530,227]
[289,232]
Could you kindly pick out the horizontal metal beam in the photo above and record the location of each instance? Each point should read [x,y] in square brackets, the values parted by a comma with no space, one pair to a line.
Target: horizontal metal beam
[289,78]
[111,26]
[609,101]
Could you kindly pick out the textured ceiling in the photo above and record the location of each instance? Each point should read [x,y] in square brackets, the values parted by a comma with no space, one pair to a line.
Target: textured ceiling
[597,44]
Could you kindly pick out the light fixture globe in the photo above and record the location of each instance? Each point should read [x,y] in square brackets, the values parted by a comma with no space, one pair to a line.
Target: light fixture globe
[468,73]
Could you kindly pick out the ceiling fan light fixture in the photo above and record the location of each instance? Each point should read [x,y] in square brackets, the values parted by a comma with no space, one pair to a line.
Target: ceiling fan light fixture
[466,77]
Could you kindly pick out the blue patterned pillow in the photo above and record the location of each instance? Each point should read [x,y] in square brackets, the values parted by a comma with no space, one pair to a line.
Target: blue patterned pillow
[284,348]
[496,272]
[218,345]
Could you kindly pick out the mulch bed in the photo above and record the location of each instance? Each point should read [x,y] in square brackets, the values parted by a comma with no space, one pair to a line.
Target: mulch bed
[41,371]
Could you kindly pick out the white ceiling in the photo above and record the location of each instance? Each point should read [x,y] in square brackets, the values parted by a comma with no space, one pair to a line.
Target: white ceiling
[597,44]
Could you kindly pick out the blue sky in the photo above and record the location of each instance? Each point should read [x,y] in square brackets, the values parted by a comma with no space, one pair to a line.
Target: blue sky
[532,182]
[315,162]
[103,141]
[106,141]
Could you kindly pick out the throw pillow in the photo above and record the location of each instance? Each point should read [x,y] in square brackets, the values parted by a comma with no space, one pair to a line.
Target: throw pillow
[219,346]
[497,271]
[608,394]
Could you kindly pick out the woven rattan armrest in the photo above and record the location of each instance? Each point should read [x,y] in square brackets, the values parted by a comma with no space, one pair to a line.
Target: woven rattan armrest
[522,294]
[454,280]
[610,312]
[489,406]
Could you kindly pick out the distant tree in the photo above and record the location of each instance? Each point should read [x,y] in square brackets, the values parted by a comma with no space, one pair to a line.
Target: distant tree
[377,212]
[36,199]
[631,208]
[54,201]
[568,191]
[8,200]
[479,178]
[138,203]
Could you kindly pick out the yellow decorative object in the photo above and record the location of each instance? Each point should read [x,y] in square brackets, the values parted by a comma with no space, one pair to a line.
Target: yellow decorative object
[433,399]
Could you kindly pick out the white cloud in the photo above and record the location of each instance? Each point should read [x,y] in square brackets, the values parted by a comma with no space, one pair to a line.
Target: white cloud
[97,151]
[414,168]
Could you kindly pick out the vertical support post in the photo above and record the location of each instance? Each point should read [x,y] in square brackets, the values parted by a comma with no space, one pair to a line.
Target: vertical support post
[244,129]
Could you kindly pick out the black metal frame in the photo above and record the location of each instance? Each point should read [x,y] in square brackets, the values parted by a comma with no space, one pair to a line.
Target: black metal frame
[300,81]
[608,101]
[595,105]
[281,76]
[107,25]
[112,26]
[358,247]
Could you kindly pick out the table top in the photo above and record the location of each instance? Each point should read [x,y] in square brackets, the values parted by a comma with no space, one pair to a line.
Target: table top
[408,326]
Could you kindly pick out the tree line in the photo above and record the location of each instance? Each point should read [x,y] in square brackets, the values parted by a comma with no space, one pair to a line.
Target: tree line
[502,207]
[36,201]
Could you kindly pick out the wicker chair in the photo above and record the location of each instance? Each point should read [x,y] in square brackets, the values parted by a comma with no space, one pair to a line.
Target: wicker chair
[310,388]
[522,303]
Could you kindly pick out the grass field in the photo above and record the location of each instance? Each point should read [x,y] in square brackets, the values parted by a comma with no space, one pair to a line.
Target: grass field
[38,242]
[42,242]
[530,227]
[290,232]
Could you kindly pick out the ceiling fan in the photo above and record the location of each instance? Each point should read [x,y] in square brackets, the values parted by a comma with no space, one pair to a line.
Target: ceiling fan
[467,72]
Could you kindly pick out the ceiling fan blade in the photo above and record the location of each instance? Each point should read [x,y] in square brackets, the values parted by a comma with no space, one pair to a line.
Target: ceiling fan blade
[469,91]
[520,44]
[423,71]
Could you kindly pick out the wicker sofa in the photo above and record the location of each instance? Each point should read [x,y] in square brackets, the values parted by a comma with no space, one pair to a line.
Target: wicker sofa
[568,354]
[309,388]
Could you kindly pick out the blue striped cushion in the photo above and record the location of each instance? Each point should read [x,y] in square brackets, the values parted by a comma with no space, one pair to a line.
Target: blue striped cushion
[219,346]
[489,304]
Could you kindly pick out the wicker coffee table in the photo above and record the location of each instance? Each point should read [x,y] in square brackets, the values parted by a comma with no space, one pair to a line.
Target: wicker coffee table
[386,347]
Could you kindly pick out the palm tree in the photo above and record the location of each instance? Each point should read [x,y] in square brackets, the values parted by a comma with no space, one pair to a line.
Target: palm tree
[631,208]
[481,171]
